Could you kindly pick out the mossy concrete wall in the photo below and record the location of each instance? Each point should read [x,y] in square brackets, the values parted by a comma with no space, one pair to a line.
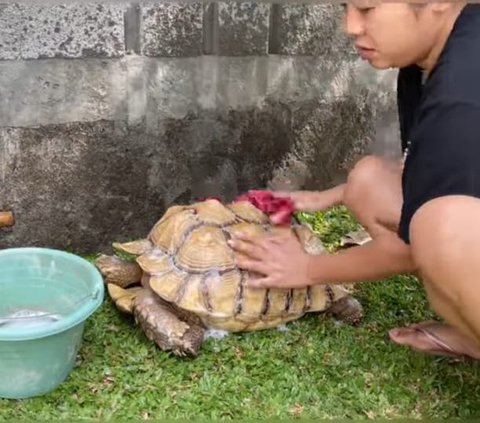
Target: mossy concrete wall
[110,112]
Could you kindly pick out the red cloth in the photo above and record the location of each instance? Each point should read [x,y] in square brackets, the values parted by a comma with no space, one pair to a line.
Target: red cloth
[279,209]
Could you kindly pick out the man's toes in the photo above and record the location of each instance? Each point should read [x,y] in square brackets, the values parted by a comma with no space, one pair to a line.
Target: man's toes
[434,338]
[401,336]
[411,337]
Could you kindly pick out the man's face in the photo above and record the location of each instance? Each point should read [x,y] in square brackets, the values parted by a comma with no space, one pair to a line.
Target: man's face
[390,34]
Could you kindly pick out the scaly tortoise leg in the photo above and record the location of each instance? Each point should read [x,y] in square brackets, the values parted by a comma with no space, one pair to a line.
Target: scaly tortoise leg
[170,328]
[347,309]
[117,271]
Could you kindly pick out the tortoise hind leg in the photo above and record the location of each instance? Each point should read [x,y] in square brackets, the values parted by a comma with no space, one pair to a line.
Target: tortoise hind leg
[347,309]
[161,323]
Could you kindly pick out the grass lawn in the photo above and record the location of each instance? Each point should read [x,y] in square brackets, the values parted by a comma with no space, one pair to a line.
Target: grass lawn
[316,368]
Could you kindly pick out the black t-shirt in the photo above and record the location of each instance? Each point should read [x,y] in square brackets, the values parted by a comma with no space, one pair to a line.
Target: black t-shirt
[440,122]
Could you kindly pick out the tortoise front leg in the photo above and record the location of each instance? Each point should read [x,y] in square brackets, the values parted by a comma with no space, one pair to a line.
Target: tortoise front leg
[161,323]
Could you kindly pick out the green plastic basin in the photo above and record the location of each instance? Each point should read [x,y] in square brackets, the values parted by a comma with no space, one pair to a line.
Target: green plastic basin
[45,298]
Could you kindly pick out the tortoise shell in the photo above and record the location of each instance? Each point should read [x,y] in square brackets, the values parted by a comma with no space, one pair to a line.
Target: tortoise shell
[189,263]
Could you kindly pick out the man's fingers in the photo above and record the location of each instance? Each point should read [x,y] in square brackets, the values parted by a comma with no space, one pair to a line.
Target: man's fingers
[279,239]
[259,282]
[243,236]
[255,247]
[246,248]
[251,265]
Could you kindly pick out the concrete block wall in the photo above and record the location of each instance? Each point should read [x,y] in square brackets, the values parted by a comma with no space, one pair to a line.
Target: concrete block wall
[110,112]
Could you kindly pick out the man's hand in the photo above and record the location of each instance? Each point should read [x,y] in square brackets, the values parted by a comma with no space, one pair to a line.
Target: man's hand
[313,200]
[303,200]
[279,260]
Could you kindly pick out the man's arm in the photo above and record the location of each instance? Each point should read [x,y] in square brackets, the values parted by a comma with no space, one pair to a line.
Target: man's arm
[378,259]
[280,261]
[315,200]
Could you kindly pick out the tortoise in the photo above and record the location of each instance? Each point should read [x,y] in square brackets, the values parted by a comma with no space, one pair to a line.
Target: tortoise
[184,279]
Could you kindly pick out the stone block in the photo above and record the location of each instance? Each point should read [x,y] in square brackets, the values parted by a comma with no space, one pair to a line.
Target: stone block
[32,31]
[171,29]
[310,29]
[137,79]
[41,92]
[173,88]
[305,78]
[176,87]
[243,28]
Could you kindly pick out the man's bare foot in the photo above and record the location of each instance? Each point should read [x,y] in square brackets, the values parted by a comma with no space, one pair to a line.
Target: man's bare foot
[436,339]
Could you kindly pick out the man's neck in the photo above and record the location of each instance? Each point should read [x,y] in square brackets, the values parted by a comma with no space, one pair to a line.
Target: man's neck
[429,62]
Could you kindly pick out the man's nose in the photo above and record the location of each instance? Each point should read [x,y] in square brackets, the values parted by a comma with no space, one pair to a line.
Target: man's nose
[353,21]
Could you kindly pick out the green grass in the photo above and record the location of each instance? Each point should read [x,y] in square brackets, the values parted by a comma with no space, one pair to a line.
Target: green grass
[316,369]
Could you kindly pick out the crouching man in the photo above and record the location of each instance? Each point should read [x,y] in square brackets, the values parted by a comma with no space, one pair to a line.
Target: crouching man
[423,212]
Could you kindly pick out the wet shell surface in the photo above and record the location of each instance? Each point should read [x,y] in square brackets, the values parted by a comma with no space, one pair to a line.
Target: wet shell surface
[191,265]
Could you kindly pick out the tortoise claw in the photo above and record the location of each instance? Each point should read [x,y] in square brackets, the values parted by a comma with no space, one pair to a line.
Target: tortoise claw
[123,298]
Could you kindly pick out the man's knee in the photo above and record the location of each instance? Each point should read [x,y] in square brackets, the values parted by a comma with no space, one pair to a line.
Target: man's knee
[363,178]
[445,241]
